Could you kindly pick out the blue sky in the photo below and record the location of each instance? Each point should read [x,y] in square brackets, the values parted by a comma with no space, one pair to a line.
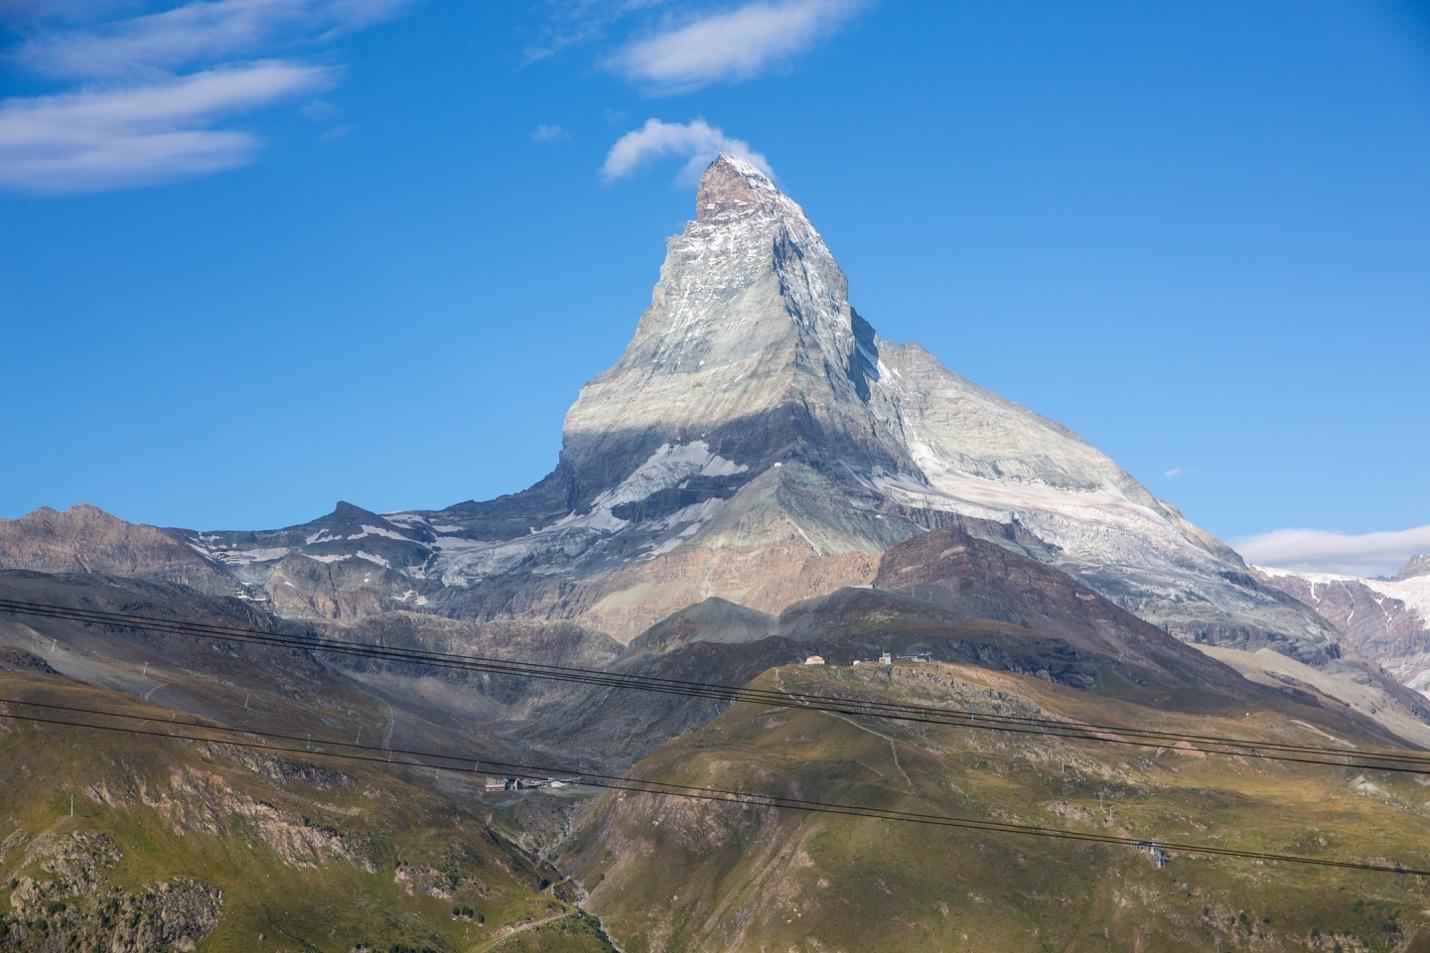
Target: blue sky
[260,255]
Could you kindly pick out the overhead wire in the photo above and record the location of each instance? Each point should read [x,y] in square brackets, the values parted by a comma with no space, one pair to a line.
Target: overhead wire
[370,753]
[1403,761]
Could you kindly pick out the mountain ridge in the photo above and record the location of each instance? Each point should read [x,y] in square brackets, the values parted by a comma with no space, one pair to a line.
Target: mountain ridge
[758,440]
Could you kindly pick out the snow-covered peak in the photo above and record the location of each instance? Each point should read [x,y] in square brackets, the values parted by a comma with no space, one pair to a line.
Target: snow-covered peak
[737,163]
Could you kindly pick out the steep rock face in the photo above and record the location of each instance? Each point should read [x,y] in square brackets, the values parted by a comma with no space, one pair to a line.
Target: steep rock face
[749,345]
[1388,620]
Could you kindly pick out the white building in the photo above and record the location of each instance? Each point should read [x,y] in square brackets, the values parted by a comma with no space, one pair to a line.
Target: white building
[814,660]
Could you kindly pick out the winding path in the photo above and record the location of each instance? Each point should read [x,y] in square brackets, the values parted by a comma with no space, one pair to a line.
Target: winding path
[513,931]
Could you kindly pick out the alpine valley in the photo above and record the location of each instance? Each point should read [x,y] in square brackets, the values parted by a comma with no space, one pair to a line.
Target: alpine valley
[760,478]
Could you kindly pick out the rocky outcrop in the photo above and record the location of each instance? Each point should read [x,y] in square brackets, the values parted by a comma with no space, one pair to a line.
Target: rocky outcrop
[18,660]
[70,906]
[196,800]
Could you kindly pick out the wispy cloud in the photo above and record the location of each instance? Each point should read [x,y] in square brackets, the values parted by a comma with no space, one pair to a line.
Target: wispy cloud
[156,85]
[572,23]
[1314,550]
[697,142]
[549,133]
[25,13]
[730,46]
[199,31]
[1171,473]
[87,141]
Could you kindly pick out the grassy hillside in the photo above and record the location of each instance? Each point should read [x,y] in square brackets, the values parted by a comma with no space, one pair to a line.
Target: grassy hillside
[676,875]
[177,844]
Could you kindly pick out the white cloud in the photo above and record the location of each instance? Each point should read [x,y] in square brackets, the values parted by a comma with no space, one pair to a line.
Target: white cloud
[697,142]
[1314,550]
[202,30]
[548,133]
[1173,472]
[731,46]
[157,132]
[155,85]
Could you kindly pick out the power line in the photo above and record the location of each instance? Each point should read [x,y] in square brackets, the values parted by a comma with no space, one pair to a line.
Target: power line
[730,693]
[519,668]
[1404,761]
[656,787]
[535,669]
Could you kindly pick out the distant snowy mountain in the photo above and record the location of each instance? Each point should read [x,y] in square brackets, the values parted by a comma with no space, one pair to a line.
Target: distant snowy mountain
[1388,620]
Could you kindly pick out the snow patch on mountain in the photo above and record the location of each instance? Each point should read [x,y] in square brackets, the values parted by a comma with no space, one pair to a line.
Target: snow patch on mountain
[1413,592]
[460,561]
[239,557]
[671,465]
[379,531]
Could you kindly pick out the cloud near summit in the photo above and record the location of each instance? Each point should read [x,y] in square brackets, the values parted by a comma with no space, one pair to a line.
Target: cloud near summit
[697,142]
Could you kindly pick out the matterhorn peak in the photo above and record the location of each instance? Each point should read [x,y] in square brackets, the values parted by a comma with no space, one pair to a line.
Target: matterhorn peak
[732,186]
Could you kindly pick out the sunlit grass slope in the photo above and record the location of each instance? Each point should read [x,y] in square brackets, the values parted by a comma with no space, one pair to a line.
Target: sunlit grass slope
[308,854]
[681,875]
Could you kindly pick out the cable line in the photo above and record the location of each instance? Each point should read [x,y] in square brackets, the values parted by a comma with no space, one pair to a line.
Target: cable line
[664,788]
[520,668]
[1404,761]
